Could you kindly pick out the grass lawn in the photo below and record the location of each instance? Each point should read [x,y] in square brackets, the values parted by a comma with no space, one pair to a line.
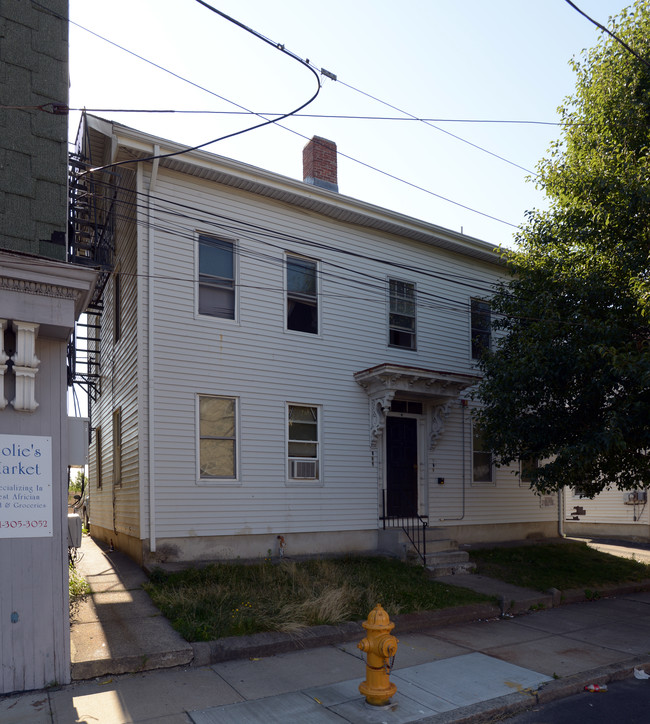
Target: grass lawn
[235,599]
[562,565]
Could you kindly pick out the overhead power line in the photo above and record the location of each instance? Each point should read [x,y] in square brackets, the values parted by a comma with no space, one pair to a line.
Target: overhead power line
[277,123]
[609,32]
[442,130]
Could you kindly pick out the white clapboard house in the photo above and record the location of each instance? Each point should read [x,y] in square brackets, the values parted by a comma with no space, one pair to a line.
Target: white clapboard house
[284,368]
[611,514]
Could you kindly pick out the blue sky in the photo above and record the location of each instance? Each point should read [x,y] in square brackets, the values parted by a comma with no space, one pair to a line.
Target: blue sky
[442,59]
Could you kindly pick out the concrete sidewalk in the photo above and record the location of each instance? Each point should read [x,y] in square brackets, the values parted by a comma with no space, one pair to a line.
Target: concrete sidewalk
[446,669]
[118,629]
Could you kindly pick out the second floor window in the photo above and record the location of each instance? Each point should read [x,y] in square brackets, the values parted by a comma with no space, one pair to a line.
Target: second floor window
[481,327]
[401,319]
[302,294]
[216,277]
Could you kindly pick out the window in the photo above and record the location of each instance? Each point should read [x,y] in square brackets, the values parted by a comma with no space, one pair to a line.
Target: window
[481,327]
[117,447]
[302,295]
[98,457]
[412,408]
[303,452]
[401,318]
[527,468]
[216,277]
[117,305]
[217,438]
[482,469]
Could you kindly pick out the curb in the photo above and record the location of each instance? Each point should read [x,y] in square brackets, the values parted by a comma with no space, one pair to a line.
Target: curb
[511,704]
[267,644]
[274,642]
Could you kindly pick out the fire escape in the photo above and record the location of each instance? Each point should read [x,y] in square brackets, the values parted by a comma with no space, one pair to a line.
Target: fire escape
[91,243]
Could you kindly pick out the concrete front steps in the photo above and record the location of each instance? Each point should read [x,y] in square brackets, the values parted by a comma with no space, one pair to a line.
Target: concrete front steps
[448,563]
[443,557]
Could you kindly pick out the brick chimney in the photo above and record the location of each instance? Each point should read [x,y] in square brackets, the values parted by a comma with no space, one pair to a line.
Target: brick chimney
[319,163]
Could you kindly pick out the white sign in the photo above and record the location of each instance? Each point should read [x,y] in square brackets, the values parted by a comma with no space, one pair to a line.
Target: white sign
[25,486]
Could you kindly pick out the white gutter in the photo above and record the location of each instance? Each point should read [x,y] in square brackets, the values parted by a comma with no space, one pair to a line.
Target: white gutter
[150,354]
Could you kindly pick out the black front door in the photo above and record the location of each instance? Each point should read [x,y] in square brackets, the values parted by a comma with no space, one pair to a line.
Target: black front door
[401,467]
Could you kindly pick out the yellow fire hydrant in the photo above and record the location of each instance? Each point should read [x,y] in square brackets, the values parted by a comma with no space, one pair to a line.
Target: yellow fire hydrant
[380,646]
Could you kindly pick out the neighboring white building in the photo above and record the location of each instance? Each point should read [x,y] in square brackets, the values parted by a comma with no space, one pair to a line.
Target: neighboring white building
[280,360]
[613,513]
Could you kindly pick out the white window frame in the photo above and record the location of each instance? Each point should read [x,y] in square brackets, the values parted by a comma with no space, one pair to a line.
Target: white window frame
[485,483]
[292,255]
[235,278]
[117,447]
[472,301]
[295,481]
[217,480]
[522,480]
[415,314]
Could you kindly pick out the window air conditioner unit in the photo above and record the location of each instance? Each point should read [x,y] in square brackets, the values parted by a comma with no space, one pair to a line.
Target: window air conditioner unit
[636,496]
[304,469]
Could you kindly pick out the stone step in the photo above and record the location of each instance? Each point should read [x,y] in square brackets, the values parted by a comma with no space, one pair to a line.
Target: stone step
[447,563]
[435,545]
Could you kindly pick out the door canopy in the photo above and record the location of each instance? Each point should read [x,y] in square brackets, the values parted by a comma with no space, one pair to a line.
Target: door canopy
[383,382]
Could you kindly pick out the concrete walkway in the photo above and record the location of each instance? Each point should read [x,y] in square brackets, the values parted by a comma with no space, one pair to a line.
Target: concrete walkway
[446,669]
[118,629]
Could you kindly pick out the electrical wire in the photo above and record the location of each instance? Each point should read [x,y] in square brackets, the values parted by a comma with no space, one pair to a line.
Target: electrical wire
[235,225]
[442,130]
[51,108]
[609,32]
[290,130]
[265,122]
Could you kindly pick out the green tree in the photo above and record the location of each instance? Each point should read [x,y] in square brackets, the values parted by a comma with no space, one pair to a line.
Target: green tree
[569,382]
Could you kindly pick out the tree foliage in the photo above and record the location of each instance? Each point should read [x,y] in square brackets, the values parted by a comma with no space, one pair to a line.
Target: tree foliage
[568,383]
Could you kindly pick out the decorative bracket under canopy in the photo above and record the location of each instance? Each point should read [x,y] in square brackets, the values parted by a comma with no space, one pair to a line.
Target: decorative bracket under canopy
[385,381]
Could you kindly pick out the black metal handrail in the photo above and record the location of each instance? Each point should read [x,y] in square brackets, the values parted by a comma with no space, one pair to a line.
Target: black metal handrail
[415,528]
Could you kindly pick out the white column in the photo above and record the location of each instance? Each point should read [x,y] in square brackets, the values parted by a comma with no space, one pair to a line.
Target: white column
[25,366]
[3,363]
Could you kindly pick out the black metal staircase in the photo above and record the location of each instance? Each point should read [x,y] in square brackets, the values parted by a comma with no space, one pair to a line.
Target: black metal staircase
[91,242]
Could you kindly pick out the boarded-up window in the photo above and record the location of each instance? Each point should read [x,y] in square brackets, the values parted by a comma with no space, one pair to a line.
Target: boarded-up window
[218,437]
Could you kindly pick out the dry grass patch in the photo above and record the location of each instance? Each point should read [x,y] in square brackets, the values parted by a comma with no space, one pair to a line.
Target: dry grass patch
[235,599]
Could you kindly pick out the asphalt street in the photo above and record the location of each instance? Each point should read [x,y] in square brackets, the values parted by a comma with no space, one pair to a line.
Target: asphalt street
[624,702]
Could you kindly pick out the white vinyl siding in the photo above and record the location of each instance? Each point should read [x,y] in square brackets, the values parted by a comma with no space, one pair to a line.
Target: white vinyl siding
[263,367]
[117,506]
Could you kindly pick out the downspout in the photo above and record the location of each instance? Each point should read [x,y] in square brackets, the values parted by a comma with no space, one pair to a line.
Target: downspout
[463,407]
[150,357]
